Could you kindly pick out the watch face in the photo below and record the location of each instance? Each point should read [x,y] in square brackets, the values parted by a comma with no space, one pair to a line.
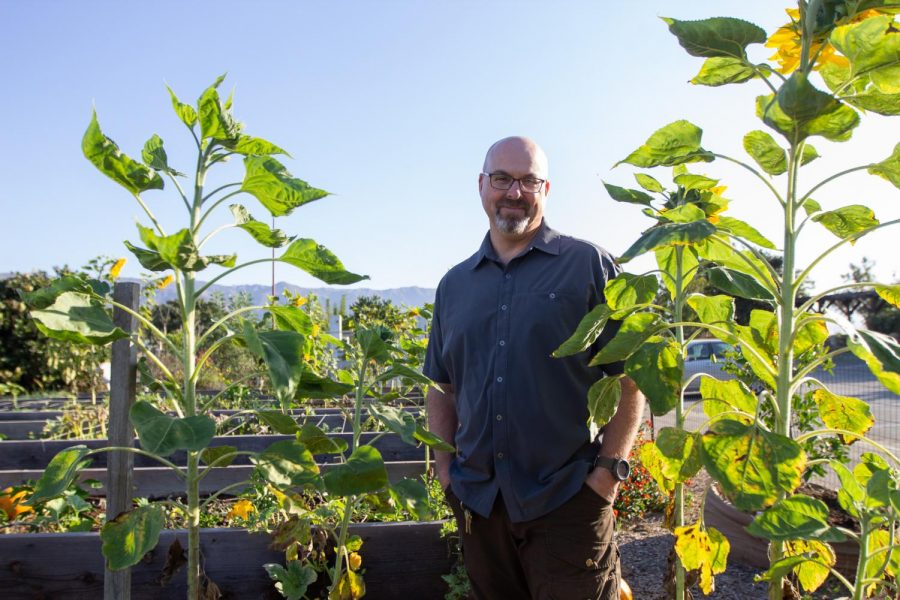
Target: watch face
[622,470]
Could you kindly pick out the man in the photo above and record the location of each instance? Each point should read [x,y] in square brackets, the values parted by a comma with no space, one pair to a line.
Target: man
[531,489]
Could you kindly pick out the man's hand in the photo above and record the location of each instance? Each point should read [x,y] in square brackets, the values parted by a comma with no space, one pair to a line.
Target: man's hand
[443,475]
[603,483]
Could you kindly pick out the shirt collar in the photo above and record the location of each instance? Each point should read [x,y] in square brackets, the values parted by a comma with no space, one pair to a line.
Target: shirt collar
[546,240]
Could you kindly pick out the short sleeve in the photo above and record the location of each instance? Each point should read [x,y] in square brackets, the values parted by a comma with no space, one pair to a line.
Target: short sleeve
[434,367]
[608,269]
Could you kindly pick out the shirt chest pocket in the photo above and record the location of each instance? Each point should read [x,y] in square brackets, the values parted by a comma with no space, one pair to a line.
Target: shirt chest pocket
[547,317]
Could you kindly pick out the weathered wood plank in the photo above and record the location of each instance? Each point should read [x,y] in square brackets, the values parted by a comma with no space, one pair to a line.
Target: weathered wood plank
[161,482]
[402,560]
[21,430]
[28,415]
[35,454]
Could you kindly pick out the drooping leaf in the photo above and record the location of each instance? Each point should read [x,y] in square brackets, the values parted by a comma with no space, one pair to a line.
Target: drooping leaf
[278,421]
[292,582]
[319,262]
[374,342]
[131,535]
[221,456]
[686,213]
[811,573]
[652,460]
[313,385]
[401,422]
[880,353]
[674,144]
[648,183]
[871,47]
[633,332]
[603,399]
[669,234]
[363,472]
[850,494]
[808,154]
[587,332]
[810,334]
[766,152]
[704,550]
[216,121]
[889,293]
[287,463]
[248,145]
[59,474]
[668,257]
[753,466]
[104,154]
[149,259]
[43,297]
[350,587]
[431,440]
[154,156]
[405,373]
[798,517]
[820,113]
[282,353]
[680,452]
[875,101]
[275,188]
[723,396]
[627,290]
[79,318]
[318,442]
[411,495]
[620,194]
[712,310]
[657,367]
[744,230]
[718,36]
[722,70]
[737,284]
[162,434]
[259,231]
[847,221]
[694,181]
[718,249]
[177,250]
[291,318]
[185,112]
[889,168]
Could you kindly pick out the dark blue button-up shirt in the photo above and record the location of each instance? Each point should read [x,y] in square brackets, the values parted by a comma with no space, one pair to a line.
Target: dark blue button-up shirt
[523,415]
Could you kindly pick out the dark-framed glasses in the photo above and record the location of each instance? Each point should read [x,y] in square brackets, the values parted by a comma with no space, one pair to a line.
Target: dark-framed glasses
[502,181]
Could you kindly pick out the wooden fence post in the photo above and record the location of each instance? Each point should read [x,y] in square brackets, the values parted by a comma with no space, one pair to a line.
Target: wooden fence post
[120,465]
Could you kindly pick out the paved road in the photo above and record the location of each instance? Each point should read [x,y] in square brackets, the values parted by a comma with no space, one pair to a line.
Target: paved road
[850,377]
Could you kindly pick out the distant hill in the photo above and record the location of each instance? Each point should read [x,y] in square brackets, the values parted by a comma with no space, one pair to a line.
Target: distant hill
[405,296]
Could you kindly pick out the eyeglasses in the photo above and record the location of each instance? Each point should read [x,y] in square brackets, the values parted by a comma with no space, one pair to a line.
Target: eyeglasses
[502,181]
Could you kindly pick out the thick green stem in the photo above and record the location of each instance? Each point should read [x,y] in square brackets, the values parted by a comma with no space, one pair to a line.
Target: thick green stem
[859,585]
[679,413]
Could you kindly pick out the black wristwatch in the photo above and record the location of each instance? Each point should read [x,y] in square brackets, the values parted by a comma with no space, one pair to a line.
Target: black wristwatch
[619,467]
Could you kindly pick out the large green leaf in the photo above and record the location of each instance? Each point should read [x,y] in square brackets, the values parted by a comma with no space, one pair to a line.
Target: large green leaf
[59,474]
[247,145]
[875,101]
[695,181]
[648,183]
[627,290]
[766,152]
[374,342]
[79,318]
[185,112]
[620,194]
[718,36]
[889,168]
[718,249]
[889,293]
[431,440]
[812,333]
[221,456]
[411,495]
[721,70]
[798,517]
[834,121]
[667,258]
[873,48]
[292,581]
[106,156]
[216,121]
[363,472]
[743,230]
[154,156]
[318,442]
[753,466]
[680,452]
[724,396]
[657,369]
[282,352]
[603,399]
[880,353]
[633,332]
[149,259]
[313,385]
[262,233]
[287,463]
[686,213]
[177,250]
[291,318]
[669,234]
[131,535]
[737,284]
[851,495]
[587,332]
[43,297]
[405,373]
[844,412]
[401,422]
[162,434]
[847,221]
[319,262]
[712,310]
[278,421]
[674,144]
[276,189]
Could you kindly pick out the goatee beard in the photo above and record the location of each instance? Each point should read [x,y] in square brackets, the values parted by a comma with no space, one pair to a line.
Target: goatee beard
[512,226]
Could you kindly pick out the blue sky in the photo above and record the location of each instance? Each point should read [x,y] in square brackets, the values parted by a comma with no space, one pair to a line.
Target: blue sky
[390,106]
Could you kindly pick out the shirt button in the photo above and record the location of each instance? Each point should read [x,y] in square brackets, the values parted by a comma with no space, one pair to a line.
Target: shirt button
[502,307]
[500,455]
[502,342]
[499,417]
[499,380]
[508,276]
[552,295]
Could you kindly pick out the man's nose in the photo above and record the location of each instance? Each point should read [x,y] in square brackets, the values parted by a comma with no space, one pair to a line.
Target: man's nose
[514,190]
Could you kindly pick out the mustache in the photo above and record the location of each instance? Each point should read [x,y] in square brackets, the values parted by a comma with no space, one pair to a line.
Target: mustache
[513,204]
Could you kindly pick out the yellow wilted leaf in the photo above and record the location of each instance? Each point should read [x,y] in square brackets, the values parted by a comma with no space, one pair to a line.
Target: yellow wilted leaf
[116,269]
[652,460]
[350,587]
[242,509]
[889,293]
[703,550]
[165,282]
[811,574]
[354,561]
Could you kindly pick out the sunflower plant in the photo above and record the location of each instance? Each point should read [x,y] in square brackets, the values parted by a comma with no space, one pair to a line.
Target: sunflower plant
[76,309]
[835,61]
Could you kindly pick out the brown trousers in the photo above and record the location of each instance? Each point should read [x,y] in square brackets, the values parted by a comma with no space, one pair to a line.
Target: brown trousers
[568,554]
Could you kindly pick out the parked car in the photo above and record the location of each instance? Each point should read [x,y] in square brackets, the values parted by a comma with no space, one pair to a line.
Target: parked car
[705,356]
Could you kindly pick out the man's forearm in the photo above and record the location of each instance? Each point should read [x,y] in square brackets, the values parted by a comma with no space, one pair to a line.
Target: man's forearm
[442,421]
[620,432]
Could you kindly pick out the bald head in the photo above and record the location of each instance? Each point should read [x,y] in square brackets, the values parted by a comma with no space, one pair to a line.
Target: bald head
[520,149]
